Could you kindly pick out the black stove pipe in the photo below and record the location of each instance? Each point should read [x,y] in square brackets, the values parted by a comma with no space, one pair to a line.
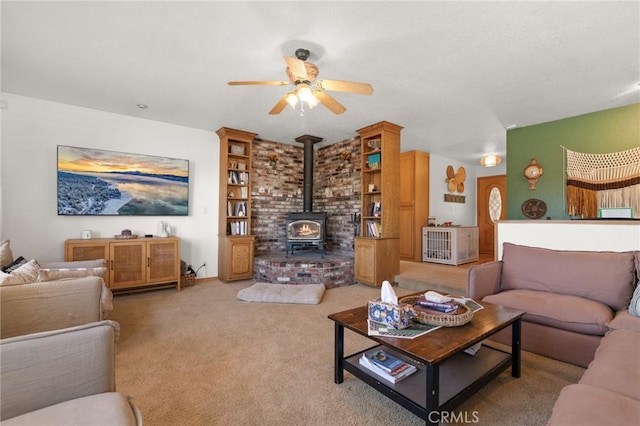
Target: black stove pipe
[308,141]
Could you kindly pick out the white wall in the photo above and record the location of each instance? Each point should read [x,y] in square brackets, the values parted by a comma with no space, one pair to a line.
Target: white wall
[585,235]
[31,131]
[458,213]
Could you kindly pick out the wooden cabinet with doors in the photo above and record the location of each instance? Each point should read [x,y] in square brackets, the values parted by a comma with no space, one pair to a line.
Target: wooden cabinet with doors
[131,263]
[414,203]
[235,242]
[376,249]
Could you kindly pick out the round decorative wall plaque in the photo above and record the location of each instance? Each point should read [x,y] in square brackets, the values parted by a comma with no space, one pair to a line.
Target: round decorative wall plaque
[534,208]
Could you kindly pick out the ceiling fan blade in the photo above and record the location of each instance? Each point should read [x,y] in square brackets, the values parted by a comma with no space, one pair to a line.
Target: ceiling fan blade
[326,100]
[346,86]
[258,83]
[277,109]
[297,68]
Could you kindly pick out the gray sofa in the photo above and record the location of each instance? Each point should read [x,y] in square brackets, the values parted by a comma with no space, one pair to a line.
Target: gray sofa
[63,377]
[570,297]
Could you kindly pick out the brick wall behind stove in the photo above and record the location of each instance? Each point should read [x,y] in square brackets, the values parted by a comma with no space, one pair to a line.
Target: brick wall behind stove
[277,190]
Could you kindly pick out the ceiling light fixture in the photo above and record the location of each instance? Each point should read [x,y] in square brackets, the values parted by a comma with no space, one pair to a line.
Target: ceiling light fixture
[490,160]
[303,94]
[142,106]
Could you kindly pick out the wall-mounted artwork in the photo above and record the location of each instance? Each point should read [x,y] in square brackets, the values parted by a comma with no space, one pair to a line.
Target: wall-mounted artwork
[98,182]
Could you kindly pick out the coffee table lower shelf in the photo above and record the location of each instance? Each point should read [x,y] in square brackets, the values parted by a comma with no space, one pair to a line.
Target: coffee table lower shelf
[460,376]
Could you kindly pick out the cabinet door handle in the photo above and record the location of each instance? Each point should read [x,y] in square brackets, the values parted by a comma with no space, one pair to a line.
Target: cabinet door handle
[148,262]
[112,265]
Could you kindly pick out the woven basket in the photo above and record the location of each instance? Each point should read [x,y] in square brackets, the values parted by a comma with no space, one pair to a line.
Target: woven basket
[187,280]
[462,316]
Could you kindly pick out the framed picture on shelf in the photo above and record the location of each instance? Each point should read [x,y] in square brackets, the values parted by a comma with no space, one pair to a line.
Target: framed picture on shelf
[373,161]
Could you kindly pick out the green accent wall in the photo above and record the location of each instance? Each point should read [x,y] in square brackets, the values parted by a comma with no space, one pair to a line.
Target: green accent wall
[612,130]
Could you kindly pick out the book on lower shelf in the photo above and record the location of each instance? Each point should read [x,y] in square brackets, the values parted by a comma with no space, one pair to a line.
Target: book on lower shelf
[374,361]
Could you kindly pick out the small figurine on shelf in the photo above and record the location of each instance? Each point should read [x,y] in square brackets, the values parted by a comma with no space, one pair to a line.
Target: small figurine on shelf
[345,156]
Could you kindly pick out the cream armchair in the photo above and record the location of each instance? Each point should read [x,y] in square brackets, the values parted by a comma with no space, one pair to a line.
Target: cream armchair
[63,377]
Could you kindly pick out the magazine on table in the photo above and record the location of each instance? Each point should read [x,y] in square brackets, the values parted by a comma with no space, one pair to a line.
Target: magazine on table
[414,330]
[470,303]
[402,369]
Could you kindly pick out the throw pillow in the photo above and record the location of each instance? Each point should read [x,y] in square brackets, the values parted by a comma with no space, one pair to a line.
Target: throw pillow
[14,265]
[634,306]
[6,257]
[59,274]
[26,273]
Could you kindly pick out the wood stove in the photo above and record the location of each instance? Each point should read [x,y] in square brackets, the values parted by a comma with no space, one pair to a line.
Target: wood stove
[307,228]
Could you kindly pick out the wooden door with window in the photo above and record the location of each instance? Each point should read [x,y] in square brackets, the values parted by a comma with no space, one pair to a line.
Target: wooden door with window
[492,206]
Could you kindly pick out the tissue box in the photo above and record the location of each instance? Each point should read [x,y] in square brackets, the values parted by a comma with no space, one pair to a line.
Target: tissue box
[396,316]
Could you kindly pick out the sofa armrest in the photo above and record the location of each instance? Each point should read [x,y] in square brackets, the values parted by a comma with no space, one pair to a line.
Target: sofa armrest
[50,305]
[484,279]
[43,369]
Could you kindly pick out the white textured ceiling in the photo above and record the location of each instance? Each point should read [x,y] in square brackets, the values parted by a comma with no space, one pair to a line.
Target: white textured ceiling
[454,74]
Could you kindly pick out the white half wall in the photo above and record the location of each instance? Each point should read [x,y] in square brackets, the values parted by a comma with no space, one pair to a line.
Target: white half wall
[31,131]
[585,235]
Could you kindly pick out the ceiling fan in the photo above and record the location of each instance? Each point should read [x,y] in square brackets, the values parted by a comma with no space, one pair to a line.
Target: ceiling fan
[302,75]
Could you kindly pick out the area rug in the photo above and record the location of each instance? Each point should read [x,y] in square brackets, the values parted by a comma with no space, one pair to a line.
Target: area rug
[310,294]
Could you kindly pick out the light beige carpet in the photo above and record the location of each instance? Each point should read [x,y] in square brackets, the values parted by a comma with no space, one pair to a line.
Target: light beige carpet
[202,357]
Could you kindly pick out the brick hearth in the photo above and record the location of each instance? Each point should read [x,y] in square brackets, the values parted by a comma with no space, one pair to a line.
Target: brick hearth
[304,268]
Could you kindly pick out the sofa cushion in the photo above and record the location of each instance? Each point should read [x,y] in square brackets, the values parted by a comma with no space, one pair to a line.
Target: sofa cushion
[634,305]
[607,277]
[26,273]
[587,405]
[562,311]
[616,365]
[623,319]
[17,262]
[110,408]
[6,256]
[59,274]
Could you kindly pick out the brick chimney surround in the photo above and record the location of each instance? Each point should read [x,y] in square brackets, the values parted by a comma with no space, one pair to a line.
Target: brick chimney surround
[333,188]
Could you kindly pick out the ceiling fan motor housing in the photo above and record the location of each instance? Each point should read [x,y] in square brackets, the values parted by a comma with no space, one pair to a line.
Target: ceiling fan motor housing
[302,54]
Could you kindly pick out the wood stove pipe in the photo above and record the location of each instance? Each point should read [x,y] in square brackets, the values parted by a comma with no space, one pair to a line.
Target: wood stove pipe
[307,189]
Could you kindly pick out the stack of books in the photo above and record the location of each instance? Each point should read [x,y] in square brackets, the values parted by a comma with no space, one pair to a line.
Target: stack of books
[387,366]
[446,307]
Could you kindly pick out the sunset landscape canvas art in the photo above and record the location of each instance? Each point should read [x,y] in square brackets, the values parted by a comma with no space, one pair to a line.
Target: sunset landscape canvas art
[99,182]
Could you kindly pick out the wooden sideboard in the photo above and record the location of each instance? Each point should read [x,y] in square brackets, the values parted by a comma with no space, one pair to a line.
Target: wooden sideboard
[131,263]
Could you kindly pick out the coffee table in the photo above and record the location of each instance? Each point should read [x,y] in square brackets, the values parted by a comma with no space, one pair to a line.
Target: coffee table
[446,375]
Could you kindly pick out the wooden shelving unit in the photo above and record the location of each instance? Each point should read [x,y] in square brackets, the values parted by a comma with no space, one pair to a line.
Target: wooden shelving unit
[131,263]
[377,248]
[235,242]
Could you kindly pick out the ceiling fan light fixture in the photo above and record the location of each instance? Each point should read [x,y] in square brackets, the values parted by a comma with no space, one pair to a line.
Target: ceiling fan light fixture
[292,99]
[305,95]
[490,160]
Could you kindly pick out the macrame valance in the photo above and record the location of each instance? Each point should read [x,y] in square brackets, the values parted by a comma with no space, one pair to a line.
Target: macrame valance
[603,181]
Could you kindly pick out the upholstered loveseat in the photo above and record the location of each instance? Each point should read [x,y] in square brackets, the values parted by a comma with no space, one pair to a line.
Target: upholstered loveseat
[63,377]
[570,297]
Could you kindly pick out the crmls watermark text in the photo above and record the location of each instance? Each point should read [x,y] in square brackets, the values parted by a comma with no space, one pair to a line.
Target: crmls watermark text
[453,417]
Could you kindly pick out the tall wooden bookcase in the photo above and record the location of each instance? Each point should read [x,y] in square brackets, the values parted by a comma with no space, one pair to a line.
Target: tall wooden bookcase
[414,203]
[377,248]
[235,242]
